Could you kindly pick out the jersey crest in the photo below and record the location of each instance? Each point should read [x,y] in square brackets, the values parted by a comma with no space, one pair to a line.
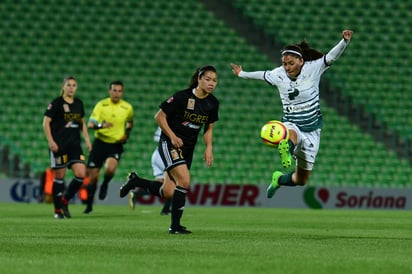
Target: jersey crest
[191,104]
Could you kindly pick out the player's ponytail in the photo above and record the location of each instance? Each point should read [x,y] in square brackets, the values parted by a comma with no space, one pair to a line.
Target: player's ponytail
[309,54]
[302,50]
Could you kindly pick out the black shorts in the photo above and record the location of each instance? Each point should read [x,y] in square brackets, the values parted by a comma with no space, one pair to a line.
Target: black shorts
[101,151]
[172,156]
[65,157]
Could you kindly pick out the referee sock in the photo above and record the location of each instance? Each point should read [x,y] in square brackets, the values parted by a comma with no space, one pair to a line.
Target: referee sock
[107,179]
[91,190]
[57,191]
[286,180]
[178,205]
[74,186]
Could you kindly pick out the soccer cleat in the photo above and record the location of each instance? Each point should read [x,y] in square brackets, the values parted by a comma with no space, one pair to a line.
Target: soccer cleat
[103,191]
[88,210]
[130,184]
[284,153]
[271,190]
[58,216]
[65,208]
[132,199]
[179,230]
[165,212]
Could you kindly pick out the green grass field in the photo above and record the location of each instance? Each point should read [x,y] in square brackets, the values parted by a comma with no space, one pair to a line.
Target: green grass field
[115,239]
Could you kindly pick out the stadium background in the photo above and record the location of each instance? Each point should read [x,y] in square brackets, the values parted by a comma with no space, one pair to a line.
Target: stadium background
[154,47]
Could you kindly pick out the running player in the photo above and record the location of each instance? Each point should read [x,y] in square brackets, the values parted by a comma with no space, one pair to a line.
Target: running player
[62,123]
[112,120]
[181,118]
[298,83]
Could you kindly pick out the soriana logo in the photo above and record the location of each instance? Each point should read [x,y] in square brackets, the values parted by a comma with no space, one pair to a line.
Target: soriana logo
[353,199]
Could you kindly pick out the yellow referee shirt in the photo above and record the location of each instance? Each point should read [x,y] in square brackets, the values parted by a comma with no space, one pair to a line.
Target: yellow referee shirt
[117,114]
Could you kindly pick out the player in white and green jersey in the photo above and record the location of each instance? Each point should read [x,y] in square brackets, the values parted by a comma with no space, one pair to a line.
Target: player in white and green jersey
[297,81]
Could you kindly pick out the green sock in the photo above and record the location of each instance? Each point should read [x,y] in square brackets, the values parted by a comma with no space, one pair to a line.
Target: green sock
[291,146]
[286,180]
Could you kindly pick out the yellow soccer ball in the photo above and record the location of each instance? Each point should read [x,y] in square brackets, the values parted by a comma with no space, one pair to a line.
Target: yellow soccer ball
[273,132]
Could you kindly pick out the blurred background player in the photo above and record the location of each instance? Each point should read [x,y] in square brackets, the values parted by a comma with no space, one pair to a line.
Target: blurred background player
[112,120]
[158,168]
[62,123]
[298,83]
[181,118]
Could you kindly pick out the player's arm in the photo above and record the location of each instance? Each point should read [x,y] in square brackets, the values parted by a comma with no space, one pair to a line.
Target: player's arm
[128,126]
[237,70]
[337,50]
[161,119]
[208,140]
[95,121]
[127,131]
[47,130]
[86,135]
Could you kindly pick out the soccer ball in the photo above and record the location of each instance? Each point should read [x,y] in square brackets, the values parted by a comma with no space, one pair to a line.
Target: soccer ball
[273,132]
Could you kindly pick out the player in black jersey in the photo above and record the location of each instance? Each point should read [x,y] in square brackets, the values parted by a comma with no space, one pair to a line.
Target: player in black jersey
[63,121]
[181,118]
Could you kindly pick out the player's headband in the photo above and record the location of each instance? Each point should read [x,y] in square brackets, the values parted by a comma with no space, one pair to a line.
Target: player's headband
[205,68]
[292,52]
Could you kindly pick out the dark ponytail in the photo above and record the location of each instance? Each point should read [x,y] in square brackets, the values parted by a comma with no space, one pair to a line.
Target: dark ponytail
[309,54]
[302,50]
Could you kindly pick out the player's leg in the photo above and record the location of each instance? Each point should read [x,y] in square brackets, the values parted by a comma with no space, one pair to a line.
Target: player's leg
[135,181]
[110,170]
[181,176]
[286,149]
[306,152]
[58,189]
[93,174]
[79,172]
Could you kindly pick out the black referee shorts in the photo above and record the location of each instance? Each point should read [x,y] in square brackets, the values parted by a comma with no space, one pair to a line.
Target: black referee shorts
[101,151]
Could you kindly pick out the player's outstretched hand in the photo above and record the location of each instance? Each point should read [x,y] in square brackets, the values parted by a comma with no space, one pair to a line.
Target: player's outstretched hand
[236,68]
[347,35]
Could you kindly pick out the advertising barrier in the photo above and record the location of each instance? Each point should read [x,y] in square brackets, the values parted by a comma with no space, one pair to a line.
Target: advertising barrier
[247,195]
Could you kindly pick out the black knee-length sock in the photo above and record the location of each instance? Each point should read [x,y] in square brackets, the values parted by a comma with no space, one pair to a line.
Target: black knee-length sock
[57,191]
[152,187]
[178,205]
[74,186]
[91,190]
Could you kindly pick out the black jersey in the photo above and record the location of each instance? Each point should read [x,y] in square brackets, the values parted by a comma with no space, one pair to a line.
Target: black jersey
[66,123]
[186,114]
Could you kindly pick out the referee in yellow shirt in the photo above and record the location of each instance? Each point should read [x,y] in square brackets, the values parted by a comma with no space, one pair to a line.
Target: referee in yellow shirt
[112,120]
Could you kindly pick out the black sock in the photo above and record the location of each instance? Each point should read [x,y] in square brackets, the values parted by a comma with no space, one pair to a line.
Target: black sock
[152,187]
[286,180]
[166,205]
[178,205]
[57,191]
[91,190]
[107,179]
[74,186]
